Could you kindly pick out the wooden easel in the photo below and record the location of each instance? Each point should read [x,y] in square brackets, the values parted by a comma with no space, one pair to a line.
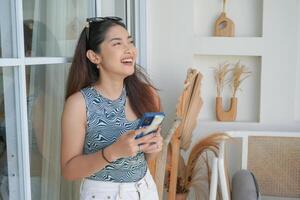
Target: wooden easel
[173,139]
[189,102]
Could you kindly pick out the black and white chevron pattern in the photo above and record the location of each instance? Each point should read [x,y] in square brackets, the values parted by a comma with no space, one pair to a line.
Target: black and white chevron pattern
[106,121]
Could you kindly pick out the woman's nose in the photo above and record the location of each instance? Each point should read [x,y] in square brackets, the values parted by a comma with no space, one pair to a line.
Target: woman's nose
[129,49]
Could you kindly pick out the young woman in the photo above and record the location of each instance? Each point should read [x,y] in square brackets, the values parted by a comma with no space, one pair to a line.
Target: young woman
[106,95]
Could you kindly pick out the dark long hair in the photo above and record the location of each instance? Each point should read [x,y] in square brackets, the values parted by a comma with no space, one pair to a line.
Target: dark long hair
[84,73]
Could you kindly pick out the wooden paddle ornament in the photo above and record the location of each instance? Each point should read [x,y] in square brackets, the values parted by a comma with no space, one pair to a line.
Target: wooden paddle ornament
[224,26]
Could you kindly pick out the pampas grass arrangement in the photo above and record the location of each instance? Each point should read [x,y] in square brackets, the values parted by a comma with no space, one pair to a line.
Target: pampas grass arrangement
[239,73]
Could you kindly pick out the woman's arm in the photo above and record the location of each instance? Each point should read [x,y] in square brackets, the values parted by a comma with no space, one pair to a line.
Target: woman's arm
[74,164]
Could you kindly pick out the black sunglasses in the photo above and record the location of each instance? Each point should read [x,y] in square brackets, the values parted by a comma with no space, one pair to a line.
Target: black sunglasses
[100,19]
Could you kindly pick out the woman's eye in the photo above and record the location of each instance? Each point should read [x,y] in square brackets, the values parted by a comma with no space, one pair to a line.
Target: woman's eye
[117,44]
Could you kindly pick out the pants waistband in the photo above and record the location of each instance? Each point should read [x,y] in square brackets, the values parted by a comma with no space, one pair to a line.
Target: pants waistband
[120,188]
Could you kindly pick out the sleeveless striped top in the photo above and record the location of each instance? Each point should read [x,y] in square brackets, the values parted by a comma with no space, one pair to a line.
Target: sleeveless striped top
[106,122]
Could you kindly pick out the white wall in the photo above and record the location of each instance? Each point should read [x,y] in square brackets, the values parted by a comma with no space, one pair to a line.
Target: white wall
[279,61]
[171,26]
[267,41]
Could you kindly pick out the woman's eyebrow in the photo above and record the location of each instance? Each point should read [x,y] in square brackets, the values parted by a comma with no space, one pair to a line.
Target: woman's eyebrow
[118,39]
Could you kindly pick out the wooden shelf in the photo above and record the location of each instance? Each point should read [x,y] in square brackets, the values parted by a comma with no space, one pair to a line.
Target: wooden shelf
[244,46]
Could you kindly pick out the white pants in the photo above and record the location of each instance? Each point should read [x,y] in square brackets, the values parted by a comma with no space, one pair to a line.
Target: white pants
[145,189]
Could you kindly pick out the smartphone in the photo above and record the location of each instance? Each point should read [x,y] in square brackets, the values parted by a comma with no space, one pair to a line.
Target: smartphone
[151,122]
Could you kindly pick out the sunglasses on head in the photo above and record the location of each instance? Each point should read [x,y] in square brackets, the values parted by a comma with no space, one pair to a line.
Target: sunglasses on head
[100,19]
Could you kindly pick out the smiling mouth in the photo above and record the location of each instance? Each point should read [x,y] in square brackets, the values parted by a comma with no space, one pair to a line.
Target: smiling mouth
[127,61]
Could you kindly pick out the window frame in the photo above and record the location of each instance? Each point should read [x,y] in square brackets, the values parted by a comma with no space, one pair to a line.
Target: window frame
[19,157]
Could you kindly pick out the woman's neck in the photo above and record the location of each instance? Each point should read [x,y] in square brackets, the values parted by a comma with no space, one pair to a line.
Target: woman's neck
[110,88]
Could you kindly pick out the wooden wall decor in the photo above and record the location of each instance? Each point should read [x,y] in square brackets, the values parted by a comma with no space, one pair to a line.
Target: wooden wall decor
[224,26]
[229,115]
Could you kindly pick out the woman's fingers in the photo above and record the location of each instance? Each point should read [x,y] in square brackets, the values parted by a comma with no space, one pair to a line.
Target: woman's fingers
[144,139]
[154,144]
[150,143]
[142,147]
[153,148]
[148,138]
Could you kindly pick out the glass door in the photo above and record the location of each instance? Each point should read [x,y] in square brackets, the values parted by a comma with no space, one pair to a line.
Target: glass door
[37,42]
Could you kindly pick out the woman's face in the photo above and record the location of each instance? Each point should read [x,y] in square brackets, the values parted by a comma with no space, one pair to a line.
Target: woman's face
[118,53]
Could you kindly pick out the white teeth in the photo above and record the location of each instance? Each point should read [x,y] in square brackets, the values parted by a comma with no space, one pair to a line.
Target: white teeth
[127,60]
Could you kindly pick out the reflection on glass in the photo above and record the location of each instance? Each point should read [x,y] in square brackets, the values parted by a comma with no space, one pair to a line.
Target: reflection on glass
[0,44]
[6,34]
[51,28]
[114,8]
[4,193]
[45,98]
[45,86]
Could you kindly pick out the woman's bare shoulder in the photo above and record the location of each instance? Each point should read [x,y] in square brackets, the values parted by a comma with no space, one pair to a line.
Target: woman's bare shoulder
[75,101]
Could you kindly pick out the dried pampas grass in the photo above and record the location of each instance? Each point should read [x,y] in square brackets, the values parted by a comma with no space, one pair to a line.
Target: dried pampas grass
[201,177]
[191,175]
[220,73]
[212,143]
[240,73]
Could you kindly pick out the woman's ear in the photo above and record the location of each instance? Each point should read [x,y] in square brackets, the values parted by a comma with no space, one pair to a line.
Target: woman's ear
[93,57]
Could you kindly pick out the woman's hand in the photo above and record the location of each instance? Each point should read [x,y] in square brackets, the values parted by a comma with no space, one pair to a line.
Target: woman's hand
[128,146]
[154,144]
